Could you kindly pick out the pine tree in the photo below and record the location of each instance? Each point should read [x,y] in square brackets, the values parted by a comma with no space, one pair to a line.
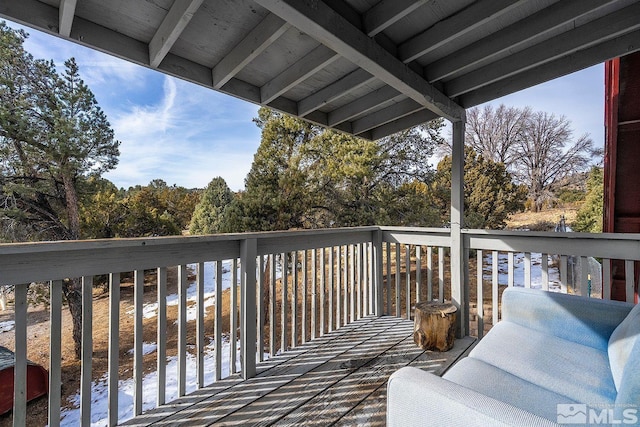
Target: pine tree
[208,216]
[589,218]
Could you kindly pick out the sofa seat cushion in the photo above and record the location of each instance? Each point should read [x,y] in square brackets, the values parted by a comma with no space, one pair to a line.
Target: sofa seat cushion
[578,372]
[498,384]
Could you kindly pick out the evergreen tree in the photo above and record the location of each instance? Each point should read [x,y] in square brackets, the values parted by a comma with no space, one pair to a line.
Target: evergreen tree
[590,215]
[208,215]
[490,194]
[53,137]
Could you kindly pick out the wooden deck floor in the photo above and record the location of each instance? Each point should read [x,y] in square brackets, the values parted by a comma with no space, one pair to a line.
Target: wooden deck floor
[338,379]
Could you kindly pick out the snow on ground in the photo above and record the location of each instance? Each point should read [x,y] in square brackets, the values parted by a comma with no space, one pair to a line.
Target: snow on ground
[147,348]
[7,325]
[518,270]
[99,389]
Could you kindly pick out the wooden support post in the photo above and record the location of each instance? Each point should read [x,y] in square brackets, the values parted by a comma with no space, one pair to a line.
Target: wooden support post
[458,285]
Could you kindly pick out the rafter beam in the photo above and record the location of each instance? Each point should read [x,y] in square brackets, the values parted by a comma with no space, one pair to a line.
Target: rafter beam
[172,26]
[67,11]
[474,16]
[612,25]
[322,23]
[261,37]
[335,90]
[385,115]
[387,13]
[620,46]
[406,122]
[364,104]
[512,36]
[315,61]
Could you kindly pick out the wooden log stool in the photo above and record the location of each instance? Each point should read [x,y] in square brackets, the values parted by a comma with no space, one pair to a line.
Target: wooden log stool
[434,326]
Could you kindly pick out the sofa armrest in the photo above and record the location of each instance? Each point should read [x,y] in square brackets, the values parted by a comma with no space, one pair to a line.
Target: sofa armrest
[588,321]
[418,398]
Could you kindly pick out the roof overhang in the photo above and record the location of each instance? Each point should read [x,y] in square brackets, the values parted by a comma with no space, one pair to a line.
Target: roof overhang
[366,67]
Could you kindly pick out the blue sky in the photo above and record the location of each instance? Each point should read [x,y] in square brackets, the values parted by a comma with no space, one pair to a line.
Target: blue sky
[186,134]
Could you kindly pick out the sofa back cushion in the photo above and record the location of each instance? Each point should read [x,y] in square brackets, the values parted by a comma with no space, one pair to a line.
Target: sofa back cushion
[621,344]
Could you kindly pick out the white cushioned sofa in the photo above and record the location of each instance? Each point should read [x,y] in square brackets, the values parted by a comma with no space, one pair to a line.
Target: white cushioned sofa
[549,356]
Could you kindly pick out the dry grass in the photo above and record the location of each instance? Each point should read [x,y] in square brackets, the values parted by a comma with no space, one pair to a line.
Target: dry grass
[544,220]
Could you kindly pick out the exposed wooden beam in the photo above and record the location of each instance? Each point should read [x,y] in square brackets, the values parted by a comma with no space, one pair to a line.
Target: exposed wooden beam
[520,32]
[385,115]
[254,43]
[406,122]
[370,101]
[335,90]
[172,26]
[387,13]
[470,18]
[593,55]
[325,25]
[316,60]
[617,23]
[67,11]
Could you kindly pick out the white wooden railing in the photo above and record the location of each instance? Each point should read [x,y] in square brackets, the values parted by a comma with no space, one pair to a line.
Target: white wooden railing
[317,281]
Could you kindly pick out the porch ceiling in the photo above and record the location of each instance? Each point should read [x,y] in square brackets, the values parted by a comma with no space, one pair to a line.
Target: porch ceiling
[366,67]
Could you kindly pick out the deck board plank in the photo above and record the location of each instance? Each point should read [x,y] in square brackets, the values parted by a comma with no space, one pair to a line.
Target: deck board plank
[339,378]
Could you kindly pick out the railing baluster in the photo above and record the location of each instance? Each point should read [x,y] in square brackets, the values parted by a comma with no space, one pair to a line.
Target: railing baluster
[200,324]
[407,250]
[398,275]
[261,308]
[563,274]
[479,294]
[494,286]
[584,276]
[338,287]
[352,285]
[294,299]
[87,350]
[330,291]
[372,280]
[429,273]
[233,317]
[527,269]
[441,274]
[388,281]
[138,300]
[510,268]
[418,273]
[114,348]
[20,364]
[182,330]
[606,278]
[629,274]
[285,302]
[359,280]
[323,284]
[55,352]
[272,306]
[217,333]
[544,266]
[162,336]
[305,294]
[248,254]
[345,284]
[314,287]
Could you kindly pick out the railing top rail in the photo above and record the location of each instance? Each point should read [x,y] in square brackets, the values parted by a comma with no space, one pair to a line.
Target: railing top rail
[604,245]
[32,262]
[551,234]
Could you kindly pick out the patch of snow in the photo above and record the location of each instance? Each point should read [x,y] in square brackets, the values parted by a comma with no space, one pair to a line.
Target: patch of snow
[99,389]
[147,348]
[518,270]
[7,325]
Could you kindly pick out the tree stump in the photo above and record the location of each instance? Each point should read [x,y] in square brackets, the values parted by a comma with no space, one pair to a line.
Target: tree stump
[434,325]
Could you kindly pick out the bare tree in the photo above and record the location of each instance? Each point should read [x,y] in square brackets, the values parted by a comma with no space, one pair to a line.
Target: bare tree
[494,133]
[547,153]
